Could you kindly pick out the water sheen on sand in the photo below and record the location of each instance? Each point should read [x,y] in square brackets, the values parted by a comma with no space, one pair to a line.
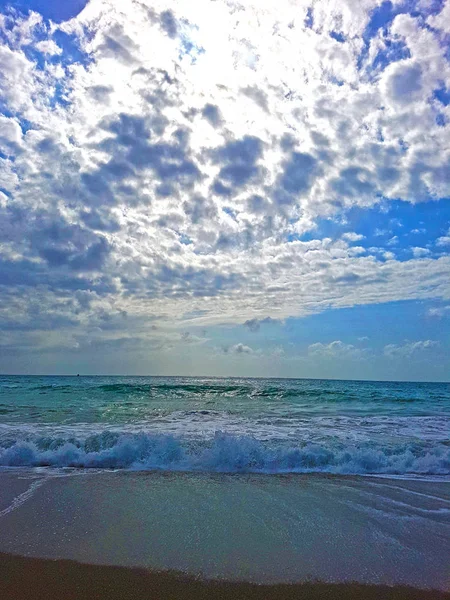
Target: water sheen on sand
[262,528]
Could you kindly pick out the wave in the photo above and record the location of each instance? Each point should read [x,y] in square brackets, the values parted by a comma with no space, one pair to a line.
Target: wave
[243,390]
[223,453]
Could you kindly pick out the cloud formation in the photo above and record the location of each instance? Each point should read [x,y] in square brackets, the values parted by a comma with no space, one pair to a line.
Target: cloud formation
[338,350]
[255,324]
[169,157]
[409,349]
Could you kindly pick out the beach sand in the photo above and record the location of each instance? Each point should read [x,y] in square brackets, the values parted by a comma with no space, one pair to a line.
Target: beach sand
[35,579]
[175,535]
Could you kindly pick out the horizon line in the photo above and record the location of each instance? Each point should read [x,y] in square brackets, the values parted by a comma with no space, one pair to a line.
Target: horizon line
[228,377]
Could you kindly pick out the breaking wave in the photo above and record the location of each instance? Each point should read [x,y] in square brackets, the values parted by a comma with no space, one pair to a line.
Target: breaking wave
[223,453]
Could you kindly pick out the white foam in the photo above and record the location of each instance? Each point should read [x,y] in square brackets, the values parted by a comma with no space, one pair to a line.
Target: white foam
[227,453]
[21,498]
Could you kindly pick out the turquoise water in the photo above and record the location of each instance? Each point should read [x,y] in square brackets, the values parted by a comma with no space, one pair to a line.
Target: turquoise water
[226,425]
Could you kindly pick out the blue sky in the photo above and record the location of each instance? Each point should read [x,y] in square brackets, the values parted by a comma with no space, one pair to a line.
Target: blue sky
[225,189]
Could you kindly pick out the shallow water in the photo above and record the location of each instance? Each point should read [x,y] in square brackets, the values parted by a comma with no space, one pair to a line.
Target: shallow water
[264,528]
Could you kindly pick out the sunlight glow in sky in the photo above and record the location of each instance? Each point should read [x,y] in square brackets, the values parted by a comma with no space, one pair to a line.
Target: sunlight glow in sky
[225,188]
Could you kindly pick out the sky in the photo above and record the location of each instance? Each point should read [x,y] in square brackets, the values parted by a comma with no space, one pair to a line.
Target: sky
[225,188]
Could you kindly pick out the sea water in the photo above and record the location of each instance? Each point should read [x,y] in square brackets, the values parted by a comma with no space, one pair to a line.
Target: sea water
[248,479]
[226,425]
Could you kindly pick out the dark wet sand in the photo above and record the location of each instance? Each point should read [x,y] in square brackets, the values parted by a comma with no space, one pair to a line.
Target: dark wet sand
[35,579]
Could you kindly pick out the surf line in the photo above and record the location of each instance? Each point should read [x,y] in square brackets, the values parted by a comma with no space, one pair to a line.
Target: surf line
[23,497]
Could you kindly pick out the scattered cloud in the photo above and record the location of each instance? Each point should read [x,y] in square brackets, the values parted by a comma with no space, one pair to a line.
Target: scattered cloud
[420,252]
[409,349]
[444,240]
[440,311]
[337,350]
[255,324]
[351,236]
[238,349]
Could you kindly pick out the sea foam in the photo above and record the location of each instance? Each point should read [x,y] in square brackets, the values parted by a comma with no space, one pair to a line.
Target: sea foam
[225,453]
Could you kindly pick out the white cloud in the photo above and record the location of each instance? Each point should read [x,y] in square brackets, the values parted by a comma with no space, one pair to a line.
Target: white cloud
[48,47]
[337,350]
[439,311]
[351,236]
[444,240]
[419,252]
[409,349]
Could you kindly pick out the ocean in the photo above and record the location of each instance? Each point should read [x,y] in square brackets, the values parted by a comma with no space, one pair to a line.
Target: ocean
[260,480]
[226,425]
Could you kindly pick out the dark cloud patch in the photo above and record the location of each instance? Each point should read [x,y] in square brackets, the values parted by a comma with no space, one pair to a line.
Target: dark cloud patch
[237,349]
[254,325]
[117,169]
[164,190]
[181,281]
[221,190]
[257,204]
[405,83]
[225,242]
[127,129]
[64,244]
[100,93]
[239,158]
[92,258]
[97,188]
[297,178]
[168,161]
[212,114]
[169,23]
[388,174]
[47,146]
[133,150]
[257,95]
[118,45]
[25,273]
[199,209]
[354,182]
[347,278]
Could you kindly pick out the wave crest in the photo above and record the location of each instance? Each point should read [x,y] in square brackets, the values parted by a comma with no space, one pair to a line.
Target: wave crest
[223,453]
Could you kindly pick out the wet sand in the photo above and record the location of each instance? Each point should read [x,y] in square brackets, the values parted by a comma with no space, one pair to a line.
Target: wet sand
[35,579]
[360,537]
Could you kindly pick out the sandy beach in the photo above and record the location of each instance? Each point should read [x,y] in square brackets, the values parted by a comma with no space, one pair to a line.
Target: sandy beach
[35,579]
[349,532]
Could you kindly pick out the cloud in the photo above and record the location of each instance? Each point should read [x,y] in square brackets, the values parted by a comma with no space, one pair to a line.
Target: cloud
[409,349]
[351,236]
[439,312]
[190,338]
[444,240]
[49,47]
[255,324]
[239,158]
[420,252]
[191,174]
[404,82]
[238,349]
[337,350]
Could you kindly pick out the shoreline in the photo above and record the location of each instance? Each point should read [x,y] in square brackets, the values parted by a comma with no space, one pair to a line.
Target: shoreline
[24,578]
[260,529]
